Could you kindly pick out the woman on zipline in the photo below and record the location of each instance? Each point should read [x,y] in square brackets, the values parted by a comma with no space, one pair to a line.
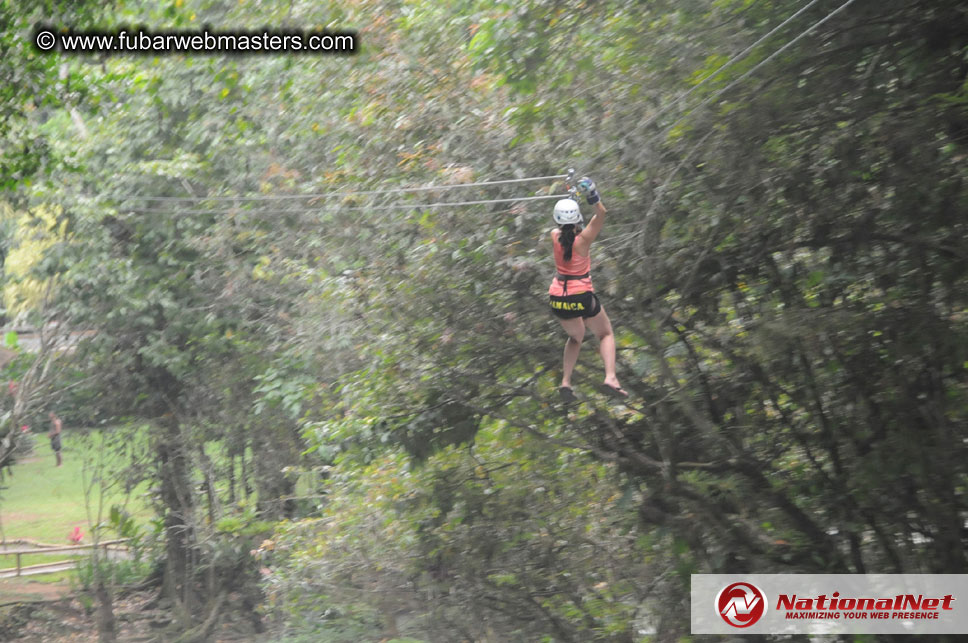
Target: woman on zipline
[573,299]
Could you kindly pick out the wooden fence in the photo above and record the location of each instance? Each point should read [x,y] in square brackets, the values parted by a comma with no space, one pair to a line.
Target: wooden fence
[56,566]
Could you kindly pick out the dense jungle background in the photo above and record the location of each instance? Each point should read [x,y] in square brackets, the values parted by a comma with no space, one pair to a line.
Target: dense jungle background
[340,414]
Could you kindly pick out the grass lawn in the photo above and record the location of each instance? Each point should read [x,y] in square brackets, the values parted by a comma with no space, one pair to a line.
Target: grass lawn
[43,502]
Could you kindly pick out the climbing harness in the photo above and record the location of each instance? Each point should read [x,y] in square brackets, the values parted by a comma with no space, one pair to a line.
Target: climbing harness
[564,279]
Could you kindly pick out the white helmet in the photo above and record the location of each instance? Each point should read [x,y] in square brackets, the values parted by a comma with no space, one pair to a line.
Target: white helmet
[567,212]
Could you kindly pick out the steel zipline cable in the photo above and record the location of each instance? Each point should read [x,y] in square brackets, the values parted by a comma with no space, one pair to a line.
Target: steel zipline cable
[760,64]
[327,195]
[729,63]
[666,130]
[387,206]
[662,190]
[244,200]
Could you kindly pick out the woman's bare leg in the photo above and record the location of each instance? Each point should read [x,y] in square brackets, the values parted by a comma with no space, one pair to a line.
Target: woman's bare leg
[576,334]
[602,327]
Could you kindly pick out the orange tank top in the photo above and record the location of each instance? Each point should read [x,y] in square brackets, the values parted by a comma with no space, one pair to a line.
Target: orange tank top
[578,265]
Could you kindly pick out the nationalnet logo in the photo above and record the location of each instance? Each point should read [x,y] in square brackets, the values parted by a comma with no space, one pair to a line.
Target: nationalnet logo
[830,603]
[741,604]
[903,607]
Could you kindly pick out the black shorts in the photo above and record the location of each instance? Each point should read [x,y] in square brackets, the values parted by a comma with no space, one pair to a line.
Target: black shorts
[583,304]
[55,442]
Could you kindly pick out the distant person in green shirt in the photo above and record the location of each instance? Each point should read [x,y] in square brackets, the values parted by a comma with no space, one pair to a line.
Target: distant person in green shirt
[55,436]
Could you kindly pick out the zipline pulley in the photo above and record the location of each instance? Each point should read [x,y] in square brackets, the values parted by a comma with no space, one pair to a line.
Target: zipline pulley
[570,186]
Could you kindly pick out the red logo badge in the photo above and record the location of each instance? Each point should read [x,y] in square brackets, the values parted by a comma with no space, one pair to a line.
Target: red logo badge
[741,604]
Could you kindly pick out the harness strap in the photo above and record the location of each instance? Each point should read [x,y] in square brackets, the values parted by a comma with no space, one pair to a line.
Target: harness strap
[564,279]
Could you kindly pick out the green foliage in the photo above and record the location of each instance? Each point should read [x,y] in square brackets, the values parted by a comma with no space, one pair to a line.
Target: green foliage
[121,522]
[473,527]
[245,526]
[785,269]
[119,573]
[32,83]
